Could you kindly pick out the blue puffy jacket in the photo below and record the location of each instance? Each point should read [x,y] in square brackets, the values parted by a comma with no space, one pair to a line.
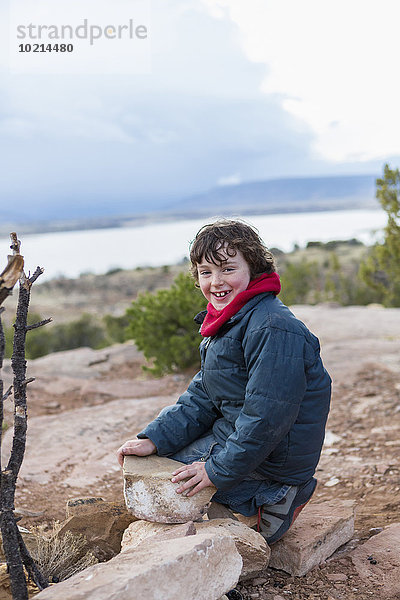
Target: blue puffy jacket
[264,393]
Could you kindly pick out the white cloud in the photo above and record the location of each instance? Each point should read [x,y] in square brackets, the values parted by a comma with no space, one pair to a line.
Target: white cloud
[334,65]
[233,179]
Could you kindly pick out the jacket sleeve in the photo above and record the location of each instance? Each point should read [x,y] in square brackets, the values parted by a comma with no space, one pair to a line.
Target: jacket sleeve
[275,388]
[188,419]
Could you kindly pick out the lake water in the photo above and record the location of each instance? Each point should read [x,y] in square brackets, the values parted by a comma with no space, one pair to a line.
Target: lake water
[71,253]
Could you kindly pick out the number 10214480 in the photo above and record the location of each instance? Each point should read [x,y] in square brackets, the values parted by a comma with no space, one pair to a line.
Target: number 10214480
[45,48]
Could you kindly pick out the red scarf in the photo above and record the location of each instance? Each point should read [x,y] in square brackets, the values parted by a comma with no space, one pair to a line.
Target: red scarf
[216,318]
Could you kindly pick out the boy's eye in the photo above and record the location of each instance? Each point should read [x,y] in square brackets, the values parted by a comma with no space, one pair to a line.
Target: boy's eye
[204,272]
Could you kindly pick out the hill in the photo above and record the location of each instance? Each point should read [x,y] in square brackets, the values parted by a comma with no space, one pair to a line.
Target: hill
[300,194]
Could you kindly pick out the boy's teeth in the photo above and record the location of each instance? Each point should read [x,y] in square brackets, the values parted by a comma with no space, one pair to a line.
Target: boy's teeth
[220,294]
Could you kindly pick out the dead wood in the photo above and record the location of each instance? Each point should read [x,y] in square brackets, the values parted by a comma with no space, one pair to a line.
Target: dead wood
[16,553]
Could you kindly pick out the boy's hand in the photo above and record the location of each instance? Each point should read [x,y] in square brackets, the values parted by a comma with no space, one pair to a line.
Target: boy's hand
[138,447]
[198,475]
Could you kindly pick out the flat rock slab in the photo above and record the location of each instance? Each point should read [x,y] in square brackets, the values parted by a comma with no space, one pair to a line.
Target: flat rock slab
[196,567]
[384,574]
[319,530]
[78,448]
[151,495]
[251,545]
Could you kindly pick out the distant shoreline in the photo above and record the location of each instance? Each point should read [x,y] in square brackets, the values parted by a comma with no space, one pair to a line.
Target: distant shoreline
[158,217]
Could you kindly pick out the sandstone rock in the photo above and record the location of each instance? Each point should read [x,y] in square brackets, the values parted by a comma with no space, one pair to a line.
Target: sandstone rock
[318,531]
[249,521]
[251,546]
[78,449]
[121,388]
[102,523]
[200,567]
[384,548]
[139,531]
[220,511]
[84,506]
[151,495]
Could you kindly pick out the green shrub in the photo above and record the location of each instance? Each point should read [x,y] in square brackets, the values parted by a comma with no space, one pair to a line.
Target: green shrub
[85,331]
[116,328]
[298,281]
[163,328]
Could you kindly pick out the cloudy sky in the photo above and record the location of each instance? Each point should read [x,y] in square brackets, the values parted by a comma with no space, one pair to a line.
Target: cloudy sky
[238,90]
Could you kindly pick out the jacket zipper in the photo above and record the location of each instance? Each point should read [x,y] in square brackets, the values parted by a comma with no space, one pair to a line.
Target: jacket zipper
[202,367]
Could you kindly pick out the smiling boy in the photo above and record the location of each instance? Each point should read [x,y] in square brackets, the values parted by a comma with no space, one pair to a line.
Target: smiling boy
[252,420]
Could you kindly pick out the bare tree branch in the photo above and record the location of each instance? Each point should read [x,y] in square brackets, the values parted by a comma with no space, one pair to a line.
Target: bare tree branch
[14,548]
[39,271]
[8,393]
[36,325]
[30,565]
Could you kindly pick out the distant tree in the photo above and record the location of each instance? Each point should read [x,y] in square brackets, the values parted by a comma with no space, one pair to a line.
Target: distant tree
[298,280]
[381,269]
[163,328]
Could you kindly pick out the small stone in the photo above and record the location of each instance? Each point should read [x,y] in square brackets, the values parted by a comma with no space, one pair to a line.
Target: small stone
[151,495]
[337,577]
[375,530]
[52,405]
[259,581]
[331,482]
[331,438]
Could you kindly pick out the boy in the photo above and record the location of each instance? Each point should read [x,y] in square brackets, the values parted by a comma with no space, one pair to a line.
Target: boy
[252,421]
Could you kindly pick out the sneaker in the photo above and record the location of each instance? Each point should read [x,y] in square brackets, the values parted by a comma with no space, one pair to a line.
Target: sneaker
[234,595]
[274,520]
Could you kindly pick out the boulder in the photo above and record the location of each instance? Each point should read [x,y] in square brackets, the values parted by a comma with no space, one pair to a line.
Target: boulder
[251,546]
[195,567]
[102,523]
[318,531]
[378,562]
[151,495]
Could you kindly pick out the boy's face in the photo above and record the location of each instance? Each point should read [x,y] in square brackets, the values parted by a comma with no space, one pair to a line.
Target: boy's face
[221,283]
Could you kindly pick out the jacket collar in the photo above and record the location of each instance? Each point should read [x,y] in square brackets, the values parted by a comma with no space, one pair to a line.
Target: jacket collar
[199,318]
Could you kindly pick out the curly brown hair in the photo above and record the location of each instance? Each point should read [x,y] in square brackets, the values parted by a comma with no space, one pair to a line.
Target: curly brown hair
[231,235]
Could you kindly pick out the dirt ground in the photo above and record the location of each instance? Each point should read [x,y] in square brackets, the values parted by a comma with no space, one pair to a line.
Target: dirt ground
[360,459]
